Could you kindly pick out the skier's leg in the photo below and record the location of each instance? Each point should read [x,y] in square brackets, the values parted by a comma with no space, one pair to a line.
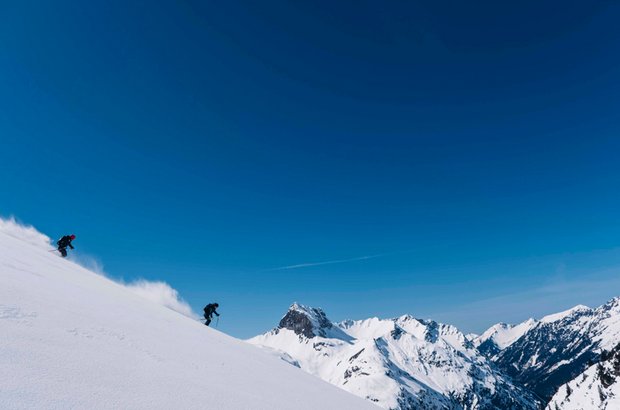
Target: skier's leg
[63,252]
[207,322]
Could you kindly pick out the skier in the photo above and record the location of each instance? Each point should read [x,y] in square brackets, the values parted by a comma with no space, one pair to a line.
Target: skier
[63,243]
[209,311]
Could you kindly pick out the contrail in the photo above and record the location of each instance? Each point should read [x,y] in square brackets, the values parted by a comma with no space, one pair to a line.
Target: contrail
[307,265]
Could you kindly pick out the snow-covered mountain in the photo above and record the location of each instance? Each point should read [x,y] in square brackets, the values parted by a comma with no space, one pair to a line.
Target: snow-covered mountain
[596,388]
[72,339]
[402,363]
[560,346]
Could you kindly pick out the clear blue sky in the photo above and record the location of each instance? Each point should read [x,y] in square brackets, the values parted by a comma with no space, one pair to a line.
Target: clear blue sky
[474,147]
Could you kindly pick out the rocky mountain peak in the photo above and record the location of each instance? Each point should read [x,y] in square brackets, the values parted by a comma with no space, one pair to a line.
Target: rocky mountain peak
[306,321]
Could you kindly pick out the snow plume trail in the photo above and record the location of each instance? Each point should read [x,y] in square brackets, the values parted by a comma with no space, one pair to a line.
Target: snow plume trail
[162,294]
[88,262]
[11,227]
[156,291]
[332,262]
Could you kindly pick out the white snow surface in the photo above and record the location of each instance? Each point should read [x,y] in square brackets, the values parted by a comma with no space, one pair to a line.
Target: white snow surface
[73,339]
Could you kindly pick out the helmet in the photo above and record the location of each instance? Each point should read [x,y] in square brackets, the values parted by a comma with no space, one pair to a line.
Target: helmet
[216,304]
[72,237]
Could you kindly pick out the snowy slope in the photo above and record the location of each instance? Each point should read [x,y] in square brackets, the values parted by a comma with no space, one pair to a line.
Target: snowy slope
[402,363]
[71,339]
[500,336]
[556,317]
[561,346]
[596,388]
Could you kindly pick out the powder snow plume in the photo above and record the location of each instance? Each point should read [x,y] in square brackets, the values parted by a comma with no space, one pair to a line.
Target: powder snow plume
[161,293]
[23,232]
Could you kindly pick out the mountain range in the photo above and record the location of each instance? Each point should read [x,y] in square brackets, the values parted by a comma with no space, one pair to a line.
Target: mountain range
[401,363]
[409,363]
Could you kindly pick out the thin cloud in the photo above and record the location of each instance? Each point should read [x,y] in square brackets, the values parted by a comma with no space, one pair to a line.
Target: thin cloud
[332,262]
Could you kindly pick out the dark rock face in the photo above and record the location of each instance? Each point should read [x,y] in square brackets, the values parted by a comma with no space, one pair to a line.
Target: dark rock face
[432,331]
[298,323]
[311,324]
[489,348]
[608,368]
[397,332]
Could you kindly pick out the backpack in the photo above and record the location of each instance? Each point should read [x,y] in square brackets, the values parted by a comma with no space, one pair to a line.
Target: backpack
[209,310]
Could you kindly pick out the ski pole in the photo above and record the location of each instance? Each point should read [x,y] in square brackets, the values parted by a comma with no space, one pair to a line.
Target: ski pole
[217,322]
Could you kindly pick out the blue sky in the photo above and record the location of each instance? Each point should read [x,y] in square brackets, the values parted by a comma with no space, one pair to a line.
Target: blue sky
[455,161]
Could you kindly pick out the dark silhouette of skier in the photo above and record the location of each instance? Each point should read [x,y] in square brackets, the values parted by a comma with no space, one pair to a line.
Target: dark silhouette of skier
[63,243]
[210,311]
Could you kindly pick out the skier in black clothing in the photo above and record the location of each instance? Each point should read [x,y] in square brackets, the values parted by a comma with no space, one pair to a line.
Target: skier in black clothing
[209,311]
[63,243]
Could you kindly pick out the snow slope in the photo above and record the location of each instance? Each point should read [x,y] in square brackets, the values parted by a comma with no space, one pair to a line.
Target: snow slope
[70,339]
[402,363]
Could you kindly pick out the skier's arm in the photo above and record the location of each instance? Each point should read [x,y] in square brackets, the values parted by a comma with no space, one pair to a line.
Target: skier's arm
[71,246]
[216,313]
